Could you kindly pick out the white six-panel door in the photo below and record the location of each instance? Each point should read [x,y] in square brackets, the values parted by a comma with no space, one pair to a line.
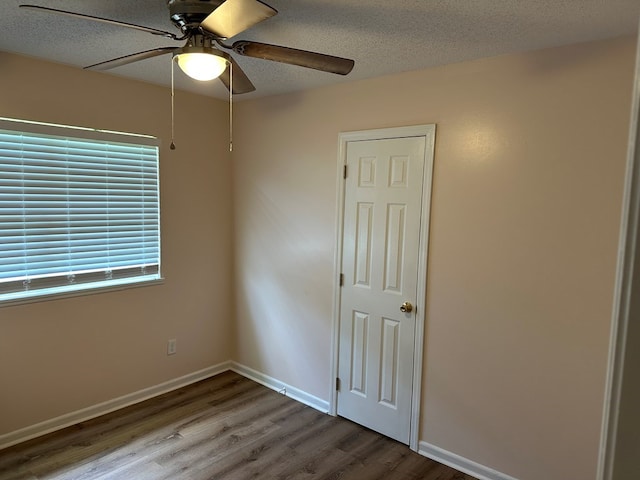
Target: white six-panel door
[383,201]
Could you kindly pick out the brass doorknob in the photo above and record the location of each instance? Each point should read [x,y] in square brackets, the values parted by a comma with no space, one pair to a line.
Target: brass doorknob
[406,307]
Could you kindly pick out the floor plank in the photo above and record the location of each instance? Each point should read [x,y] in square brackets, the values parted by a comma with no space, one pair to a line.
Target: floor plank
[223,428]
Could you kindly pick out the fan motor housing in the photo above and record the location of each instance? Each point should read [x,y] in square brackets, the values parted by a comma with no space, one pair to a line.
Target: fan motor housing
[188,14]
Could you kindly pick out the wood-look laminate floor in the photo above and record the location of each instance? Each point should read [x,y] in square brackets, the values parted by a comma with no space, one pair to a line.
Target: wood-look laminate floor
[225,427]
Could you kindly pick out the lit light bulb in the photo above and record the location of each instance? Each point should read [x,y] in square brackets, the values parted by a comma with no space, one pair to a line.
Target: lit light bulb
[201,65]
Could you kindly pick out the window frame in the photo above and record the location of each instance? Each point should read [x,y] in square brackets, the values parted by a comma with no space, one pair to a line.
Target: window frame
[98,285]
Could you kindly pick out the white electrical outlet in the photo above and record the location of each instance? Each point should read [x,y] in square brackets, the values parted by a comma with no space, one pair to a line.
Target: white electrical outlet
[171,347]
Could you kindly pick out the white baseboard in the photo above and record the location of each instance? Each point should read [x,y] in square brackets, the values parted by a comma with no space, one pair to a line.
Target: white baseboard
[66,420]
[460,463]
[275,384]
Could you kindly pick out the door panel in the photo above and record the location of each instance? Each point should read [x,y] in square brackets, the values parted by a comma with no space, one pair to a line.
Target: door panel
[389,364]
[394,248]
[381,238]
[358,367]
[363,244]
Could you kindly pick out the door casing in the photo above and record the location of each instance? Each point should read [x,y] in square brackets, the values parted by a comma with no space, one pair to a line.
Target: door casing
[428,132]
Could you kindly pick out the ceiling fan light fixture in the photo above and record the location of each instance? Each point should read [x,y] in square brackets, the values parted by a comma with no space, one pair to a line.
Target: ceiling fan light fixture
[201,63]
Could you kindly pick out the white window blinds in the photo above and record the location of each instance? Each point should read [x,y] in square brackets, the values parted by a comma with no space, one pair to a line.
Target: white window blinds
[78,209]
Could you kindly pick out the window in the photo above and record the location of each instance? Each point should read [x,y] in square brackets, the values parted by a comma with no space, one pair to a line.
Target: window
[79,209]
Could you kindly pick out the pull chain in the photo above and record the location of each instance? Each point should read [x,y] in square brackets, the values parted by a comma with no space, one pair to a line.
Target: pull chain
[173,145]
[231,106]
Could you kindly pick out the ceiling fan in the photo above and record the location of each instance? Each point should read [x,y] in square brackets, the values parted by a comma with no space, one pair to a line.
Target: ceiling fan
[205,25]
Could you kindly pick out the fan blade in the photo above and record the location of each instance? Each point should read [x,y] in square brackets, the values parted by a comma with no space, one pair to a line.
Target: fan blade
[134,57]
[241,83]
[235,16]
[153,31]
[293,56]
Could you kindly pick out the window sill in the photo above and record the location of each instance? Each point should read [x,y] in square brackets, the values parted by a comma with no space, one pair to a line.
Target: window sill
[90,289]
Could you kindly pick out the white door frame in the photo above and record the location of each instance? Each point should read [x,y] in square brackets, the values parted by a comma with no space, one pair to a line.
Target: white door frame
[428,132]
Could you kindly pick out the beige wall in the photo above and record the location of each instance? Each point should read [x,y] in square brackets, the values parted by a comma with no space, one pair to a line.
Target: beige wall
[529,167]
[59,356]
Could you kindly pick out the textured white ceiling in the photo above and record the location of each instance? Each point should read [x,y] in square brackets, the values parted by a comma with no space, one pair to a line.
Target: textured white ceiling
[382,36]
